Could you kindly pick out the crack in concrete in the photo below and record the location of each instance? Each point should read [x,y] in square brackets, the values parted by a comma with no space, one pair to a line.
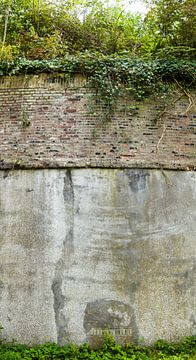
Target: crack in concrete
[63,262]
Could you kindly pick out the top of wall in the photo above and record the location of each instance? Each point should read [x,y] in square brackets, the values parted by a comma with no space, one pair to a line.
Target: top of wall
[45,123]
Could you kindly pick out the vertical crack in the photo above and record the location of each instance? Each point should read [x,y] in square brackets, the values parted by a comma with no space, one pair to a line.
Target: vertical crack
[64,261]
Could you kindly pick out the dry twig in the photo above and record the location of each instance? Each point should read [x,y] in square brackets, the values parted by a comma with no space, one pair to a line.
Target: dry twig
[191,100]
[163,132]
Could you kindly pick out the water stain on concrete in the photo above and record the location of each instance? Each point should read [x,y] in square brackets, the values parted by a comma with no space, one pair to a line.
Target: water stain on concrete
[113,316]
[185,280]
[59,301]
[137,179]
[68,192]
[64,262]
[1,288]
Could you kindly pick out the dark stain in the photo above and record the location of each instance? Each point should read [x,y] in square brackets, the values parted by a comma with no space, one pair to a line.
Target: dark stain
[1,289]
[133,287]
[185,280]
[68,191]
[29,190]
[63,263]
[63,334]
[133,259]
[193,321]
[111,315]
[6,174]
[137,179]
[59,301]
[59,298]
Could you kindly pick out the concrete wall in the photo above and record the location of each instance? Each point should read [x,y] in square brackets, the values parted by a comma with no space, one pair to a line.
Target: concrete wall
[86,250]
[45,122]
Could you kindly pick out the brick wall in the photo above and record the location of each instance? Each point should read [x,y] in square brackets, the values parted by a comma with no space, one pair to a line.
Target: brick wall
[45,123]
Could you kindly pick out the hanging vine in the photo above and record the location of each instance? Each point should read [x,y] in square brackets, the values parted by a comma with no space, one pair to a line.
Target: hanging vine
[113,77]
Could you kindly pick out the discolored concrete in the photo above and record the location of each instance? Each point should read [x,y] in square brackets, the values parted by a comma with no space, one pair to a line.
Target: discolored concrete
[88,251]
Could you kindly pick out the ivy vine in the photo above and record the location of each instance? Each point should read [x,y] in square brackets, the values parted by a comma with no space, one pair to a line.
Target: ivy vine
[113,76]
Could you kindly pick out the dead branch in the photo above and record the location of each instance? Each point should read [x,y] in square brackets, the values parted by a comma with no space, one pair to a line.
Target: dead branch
[161,138]
[165,110]
[190,98]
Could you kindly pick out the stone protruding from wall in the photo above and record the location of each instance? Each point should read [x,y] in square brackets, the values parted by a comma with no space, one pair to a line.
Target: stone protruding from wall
[88,251]
[45,123]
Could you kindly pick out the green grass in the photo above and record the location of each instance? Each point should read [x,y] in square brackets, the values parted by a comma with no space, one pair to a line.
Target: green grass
[186,349]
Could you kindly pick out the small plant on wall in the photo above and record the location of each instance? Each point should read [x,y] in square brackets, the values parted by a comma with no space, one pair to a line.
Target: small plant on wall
[25,120]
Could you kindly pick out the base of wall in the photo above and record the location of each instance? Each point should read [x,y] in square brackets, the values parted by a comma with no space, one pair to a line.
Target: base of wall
[93,250]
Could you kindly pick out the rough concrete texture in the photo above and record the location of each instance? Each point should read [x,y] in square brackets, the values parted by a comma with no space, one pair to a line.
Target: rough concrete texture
[87,251]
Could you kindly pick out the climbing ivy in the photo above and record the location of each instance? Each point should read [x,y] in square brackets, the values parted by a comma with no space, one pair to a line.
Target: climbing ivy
[113,76]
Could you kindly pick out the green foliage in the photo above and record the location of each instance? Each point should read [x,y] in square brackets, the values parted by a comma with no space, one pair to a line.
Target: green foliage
[172,22]
[110,350]
[112,76]
[111,30]
[44,29]
[121,54]
[186,346]
[123,71]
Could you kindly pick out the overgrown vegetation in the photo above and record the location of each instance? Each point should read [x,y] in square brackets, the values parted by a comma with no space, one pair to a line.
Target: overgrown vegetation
[114,76]
[121,54]
[110,350]
[42,29]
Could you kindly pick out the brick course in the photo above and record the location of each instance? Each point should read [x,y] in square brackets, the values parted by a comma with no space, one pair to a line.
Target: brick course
[62,133]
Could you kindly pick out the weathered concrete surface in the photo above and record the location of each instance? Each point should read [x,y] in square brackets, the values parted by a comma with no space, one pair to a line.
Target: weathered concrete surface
[87,250]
